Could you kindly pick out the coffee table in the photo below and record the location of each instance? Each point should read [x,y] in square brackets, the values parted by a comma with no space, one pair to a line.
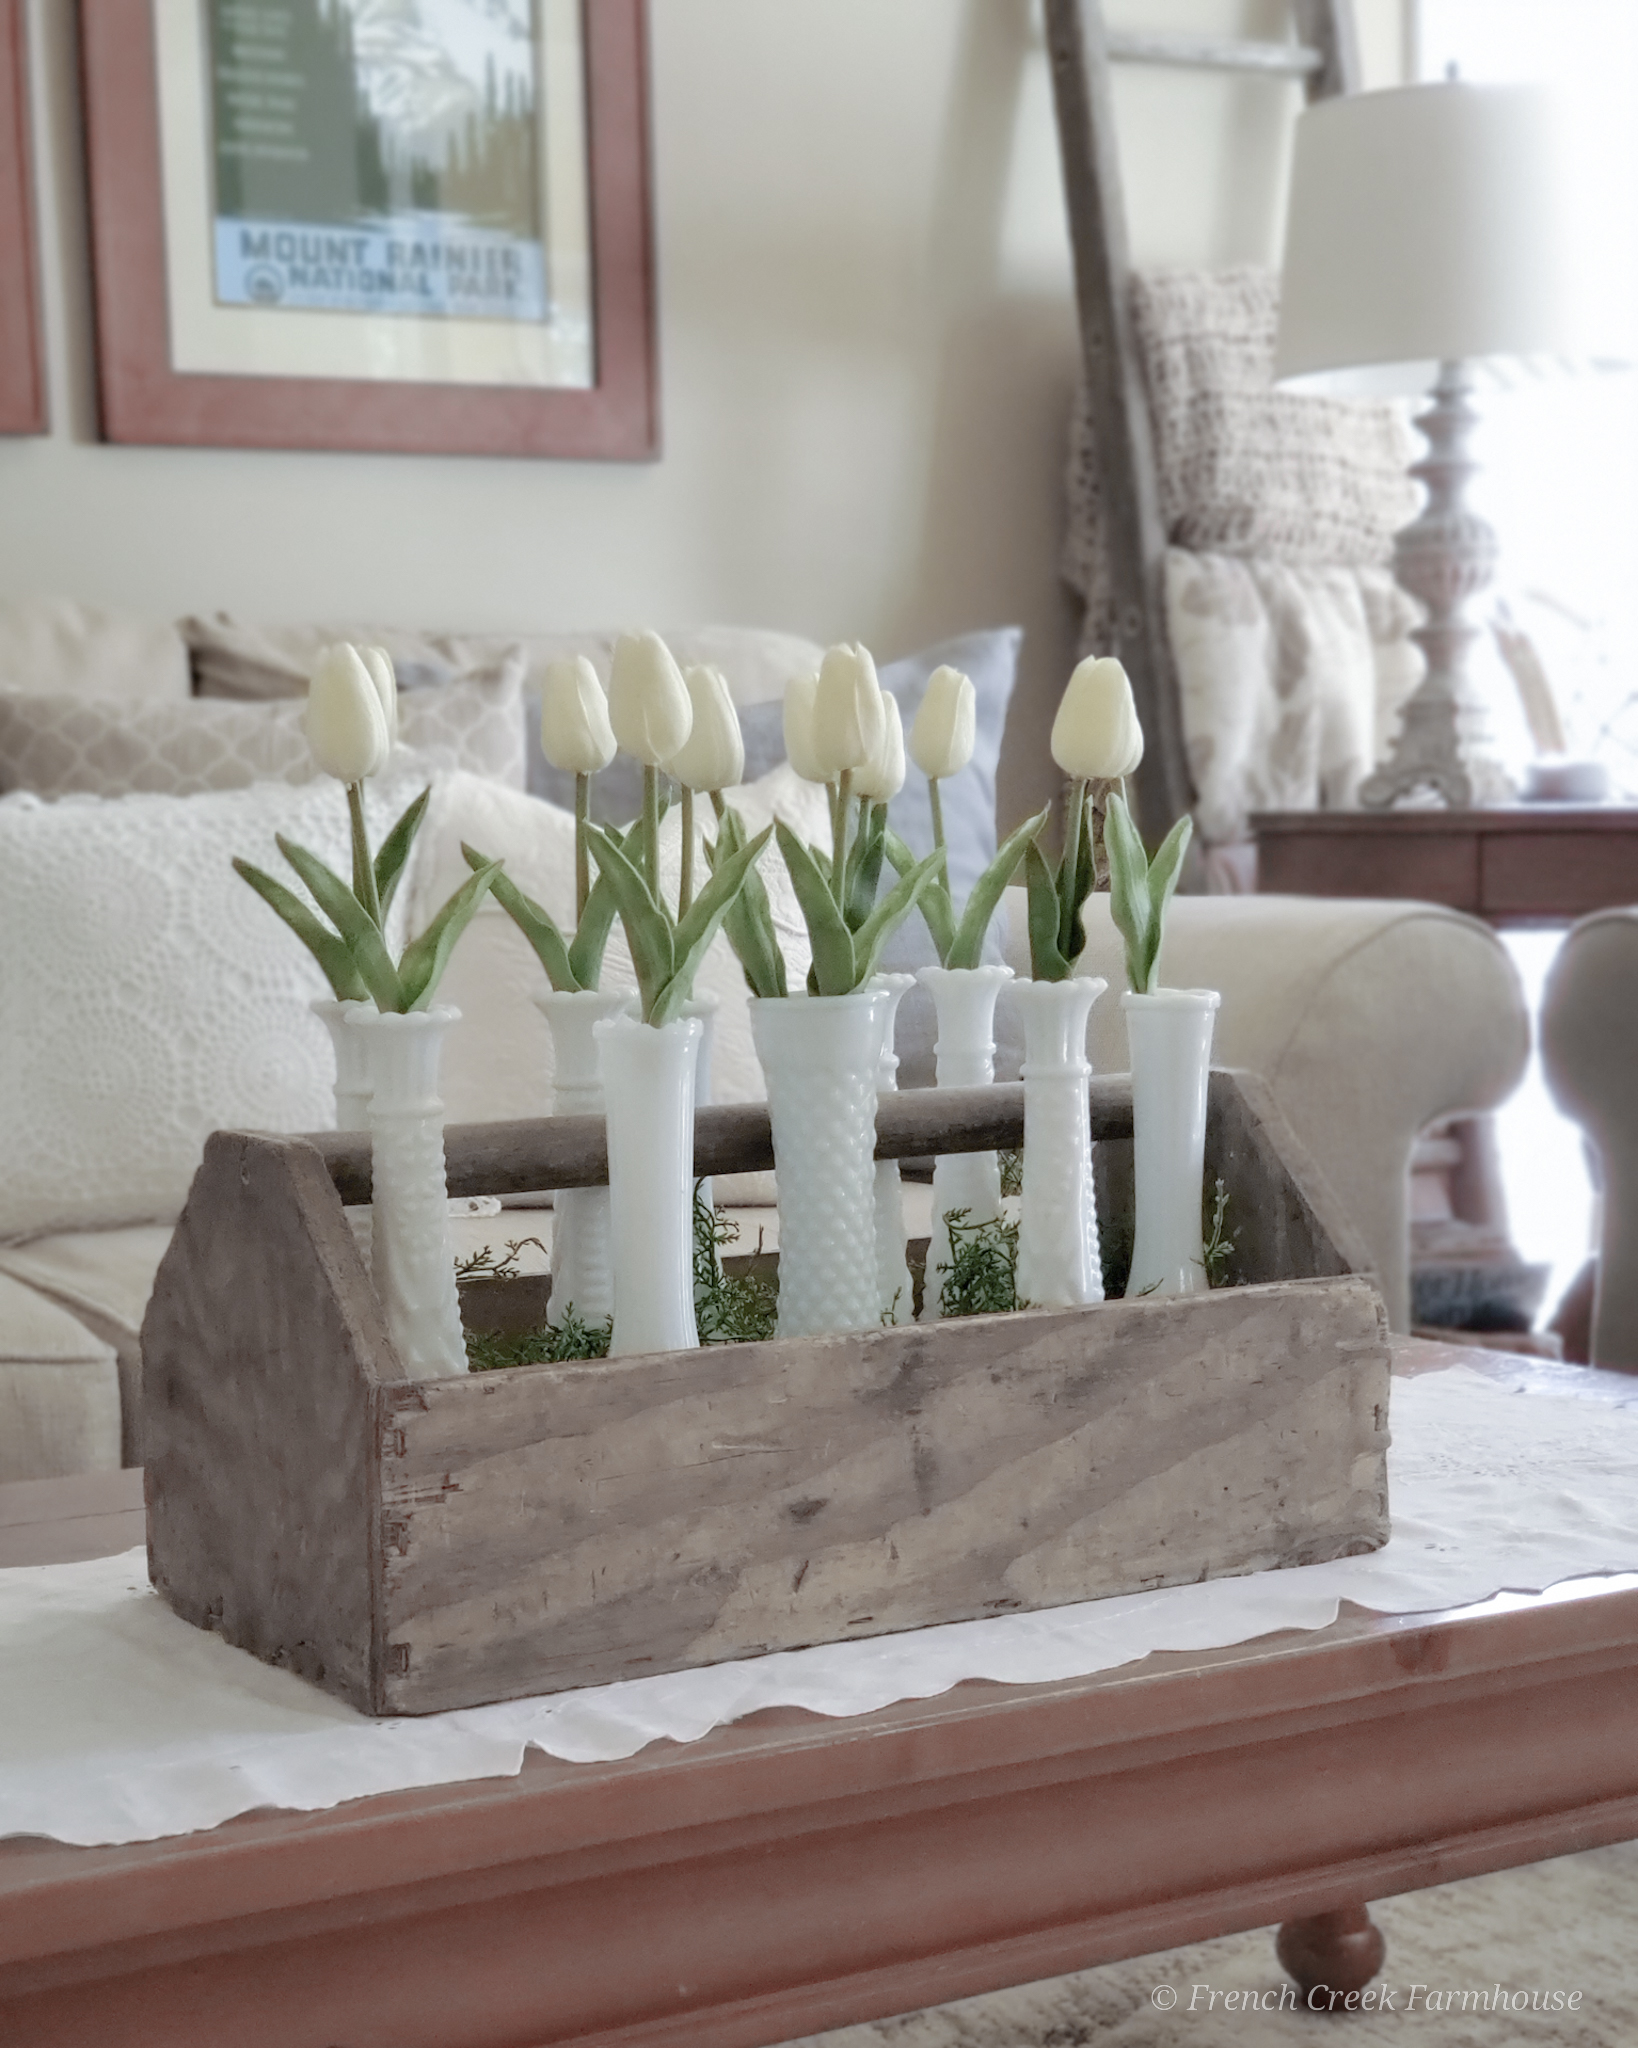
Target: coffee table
[791,1873]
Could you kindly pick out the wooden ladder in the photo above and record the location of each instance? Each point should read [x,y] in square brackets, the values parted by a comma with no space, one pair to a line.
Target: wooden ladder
[1081,48]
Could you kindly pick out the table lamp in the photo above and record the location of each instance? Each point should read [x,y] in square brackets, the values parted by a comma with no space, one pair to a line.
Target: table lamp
[1424,235]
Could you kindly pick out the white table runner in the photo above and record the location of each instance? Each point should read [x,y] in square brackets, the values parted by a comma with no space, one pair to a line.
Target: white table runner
[121,1723]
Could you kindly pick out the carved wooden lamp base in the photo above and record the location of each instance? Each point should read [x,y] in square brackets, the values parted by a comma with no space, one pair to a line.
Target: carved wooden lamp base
[1445,557]
[1331,1955]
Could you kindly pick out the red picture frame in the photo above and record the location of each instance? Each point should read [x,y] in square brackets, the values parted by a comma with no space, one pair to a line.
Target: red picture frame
[145,399]
[22,364]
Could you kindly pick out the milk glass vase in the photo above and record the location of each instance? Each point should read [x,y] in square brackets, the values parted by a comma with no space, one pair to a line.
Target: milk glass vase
[1168,1032]
[413,1254]
[893,1280]
[1058,1265]
[820,1057]
[649,1073]
[582,1259]
[352,1093]
[964,1054]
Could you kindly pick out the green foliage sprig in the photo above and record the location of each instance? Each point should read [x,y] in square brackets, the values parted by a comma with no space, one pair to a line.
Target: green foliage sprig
[1140,889]
[981,1278]
[552,1344]
[738,1308]
[352,950]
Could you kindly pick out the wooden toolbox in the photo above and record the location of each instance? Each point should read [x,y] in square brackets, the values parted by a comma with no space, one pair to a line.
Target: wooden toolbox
[420,1545]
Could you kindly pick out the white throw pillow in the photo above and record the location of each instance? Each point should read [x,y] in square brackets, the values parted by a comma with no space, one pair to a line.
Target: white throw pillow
[52,644]
[96,746]
[149,998]
[498,1063]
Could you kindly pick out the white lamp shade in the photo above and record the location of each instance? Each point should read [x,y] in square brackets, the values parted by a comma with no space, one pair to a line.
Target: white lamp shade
[1425,225]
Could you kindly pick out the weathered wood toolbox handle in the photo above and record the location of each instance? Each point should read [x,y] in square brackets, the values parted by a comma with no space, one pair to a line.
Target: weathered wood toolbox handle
[536,1153]
[417,1545]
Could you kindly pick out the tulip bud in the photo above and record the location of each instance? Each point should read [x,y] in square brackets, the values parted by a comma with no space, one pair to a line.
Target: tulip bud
[345,725]
[945,725]
[847,711]
[799,747]
[648,699]
[713,755]
[1096,734]
[882,776]
[575,734]
[379,663]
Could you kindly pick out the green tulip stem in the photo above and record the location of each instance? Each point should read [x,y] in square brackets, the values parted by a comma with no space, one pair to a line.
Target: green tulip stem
[717,804]
[364,888]
[651,829]
[937,803]
[838,866]
[685,880]
[582,853]
[1069,866]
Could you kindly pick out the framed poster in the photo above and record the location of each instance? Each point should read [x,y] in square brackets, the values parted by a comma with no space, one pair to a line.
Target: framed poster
[415,225]
[22,367]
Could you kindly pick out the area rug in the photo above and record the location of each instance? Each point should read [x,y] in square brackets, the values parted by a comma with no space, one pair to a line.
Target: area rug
[1563,1927]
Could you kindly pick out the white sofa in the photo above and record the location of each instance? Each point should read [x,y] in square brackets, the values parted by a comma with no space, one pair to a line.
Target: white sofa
[1589,1048]
[1368,1020]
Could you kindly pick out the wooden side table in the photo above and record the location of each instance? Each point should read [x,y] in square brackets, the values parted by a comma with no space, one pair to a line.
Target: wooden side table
[1538,864]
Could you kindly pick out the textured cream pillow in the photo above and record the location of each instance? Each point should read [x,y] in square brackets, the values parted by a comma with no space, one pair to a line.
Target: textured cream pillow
[499,1061]
[93,746]
[51,643]
[148,998]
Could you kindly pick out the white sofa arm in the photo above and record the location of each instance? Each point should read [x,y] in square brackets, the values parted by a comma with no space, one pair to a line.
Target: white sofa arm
[1588,1051]
[1368,1020]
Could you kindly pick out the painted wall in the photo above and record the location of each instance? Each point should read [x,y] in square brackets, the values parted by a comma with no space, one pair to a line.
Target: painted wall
[868,352]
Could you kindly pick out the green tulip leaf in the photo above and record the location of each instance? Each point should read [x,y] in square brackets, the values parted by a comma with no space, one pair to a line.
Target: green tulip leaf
[647,923]
[395,850]
[1130,902]
[891,912]
[425,958]
[1046,960]
[1085,871]
[703,921]
[353,921]
[864,866]
[968,942]
[597,919]
[531,918]
[833,972]
[937,911]
[339,968]
[1164,870]
[749,923]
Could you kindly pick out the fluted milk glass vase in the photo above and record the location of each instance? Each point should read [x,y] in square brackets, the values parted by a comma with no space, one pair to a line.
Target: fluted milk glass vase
[352,1093]
[582,1261]
[413,1254]
[964,1053]
[820,1056]
[1058,1264]
[1169,1033]
[649,1073]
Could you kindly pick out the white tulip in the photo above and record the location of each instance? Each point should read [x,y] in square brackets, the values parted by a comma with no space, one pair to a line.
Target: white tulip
[649,707]
[847,711]
[713,755]
[799,747]
[1096,735]
[379,663]
[882,776]
[575,734]
[945,726]
[345,725]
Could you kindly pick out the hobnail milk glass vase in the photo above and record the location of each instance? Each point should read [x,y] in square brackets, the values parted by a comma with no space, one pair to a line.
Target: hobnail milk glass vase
[413,1254]
[893,1281]
[1058,1264]
[964,1052]
[582,1264]
[649,1073]
[1169,1036]
[352,1092]
[820,1056]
